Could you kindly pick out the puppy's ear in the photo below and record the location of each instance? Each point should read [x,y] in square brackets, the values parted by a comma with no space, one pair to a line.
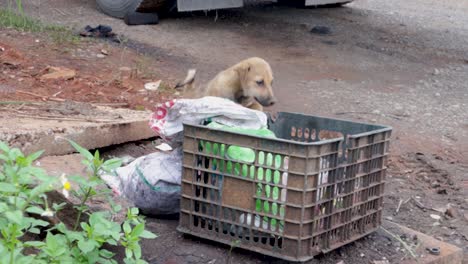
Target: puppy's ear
[243,70]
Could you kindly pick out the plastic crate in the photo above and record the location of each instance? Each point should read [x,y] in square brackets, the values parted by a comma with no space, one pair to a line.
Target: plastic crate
[317,187]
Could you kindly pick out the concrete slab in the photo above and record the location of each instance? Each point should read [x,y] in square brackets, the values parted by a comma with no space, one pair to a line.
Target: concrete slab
[449,254]
[45,127]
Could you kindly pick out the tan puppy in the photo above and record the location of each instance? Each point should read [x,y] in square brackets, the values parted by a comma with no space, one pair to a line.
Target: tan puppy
[247,83]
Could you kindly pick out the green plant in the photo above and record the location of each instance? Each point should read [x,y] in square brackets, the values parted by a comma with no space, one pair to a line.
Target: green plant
[15,17]
[234,244]
[23,197]
[16,20]
[145,69]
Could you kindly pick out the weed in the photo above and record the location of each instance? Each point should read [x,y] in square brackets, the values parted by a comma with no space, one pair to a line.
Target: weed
[23,194]
[13,19]
[16,19]
[143,64]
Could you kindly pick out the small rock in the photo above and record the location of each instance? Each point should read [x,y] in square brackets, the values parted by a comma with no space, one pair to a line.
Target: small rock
[362,255]
[436,217]
[104,52]
[442,191]
[340,262]
[380,262]
[466,216]
[55,73]
[437,94]
[435,184]
[37,41]
[436,72]
[451,212]
[152,86]
[321,30]
[101,56]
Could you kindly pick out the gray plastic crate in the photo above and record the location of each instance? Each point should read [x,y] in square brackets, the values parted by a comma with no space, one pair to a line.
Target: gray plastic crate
[317,187]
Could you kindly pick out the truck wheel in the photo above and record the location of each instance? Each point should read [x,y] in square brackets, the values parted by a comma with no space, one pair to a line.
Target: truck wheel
[301,3]
[118,8]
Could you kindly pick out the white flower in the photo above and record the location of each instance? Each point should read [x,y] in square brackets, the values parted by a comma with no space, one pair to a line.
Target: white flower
[47,213]
[65,186]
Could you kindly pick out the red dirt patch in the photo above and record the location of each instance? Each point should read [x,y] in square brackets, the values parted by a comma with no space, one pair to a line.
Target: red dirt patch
[102,72]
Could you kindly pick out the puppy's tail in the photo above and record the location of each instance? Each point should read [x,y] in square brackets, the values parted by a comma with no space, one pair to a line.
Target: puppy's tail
[187,84]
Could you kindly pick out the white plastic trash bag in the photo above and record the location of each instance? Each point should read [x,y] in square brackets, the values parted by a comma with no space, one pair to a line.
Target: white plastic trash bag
[168,119]
[151,183]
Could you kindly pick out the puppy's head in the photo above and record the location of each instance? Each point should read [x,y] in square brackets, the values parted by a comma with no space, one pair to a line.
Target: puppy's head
[256,80]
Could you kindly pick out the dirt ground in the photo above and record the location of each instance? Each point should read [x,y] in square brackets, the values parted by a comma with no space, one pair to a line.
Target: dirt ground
[398,63]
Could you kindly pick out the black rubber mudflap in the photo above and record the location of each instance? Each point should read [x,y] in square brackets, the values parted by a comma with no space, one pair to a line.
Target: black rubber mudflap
[136,18]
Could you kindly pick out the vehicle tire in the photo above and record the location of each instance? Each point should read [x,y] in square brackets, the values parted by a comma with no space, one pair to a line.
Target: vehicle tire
[301,3]
[118,8]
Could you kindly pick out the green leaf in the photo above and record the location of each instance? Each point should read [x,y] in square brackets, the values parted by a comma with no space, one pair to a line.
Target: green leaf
[8,187]
[112,164]
[14,154]
[4,147]
[96,155]
[34,156]
[38,222]
[58,207]
[128,253]
[106,253]
[74,236]
[126,227]
[3,207]
[35,244]
[137,251]
[85,226]
[4,157]
[62,228]
[93,257]
[148,235]
[40,189]
[84,152]
[34,230]
[52,242]
[35,210]
[86,246]
[138,230]
[112,242]
[134,211]
[15,216]
[41,175]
